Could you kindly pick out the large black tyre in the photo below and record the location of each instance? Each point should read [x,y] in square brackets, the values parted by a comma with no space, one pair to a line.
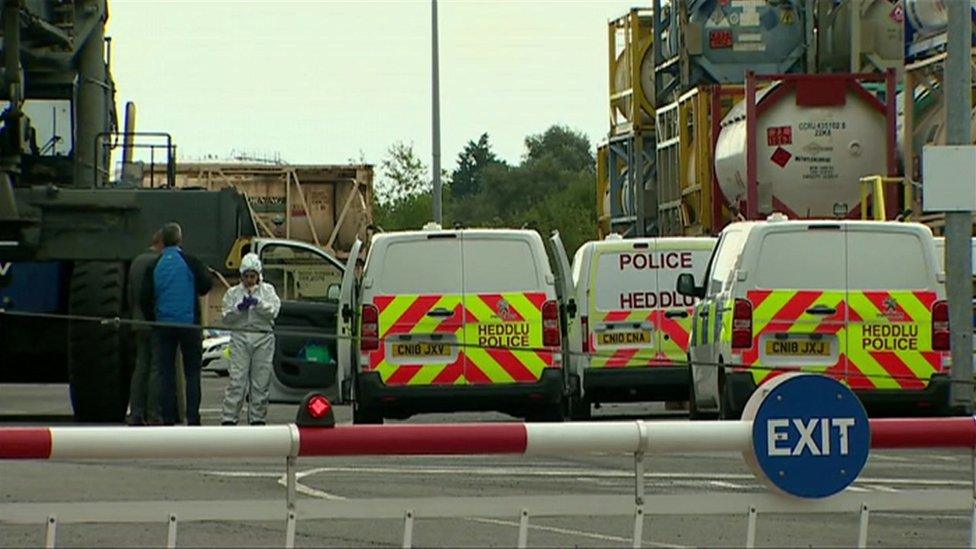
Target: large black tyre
[580,408]
[693,412]
[726,409]
[365,416]
[100,357]
[548,414]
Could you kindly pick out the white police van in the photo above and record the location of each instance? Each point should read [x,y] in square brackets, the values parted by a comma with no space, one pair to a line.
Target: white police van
[628,341]
[860,301]
[458,320]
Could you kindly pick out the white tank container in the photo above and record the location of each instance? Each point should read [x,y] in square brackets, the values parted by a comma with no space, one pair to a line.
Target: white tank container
[808,158]
[930,16]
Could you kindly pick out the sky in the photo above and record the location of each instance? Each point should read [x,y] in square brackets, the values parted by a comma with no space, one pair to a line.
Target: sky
[332,81]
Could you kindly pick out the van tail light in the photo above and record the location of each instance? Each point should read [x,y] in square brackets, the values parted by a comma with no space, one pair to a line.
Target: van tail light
[585,328]
[742,324]
[940,326]
[369,332]
[550,324]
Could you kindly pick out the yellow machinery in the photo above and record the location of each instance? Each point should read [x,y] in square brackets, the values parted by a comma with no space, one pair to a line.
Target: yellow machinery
[625,162]
[688,201]
[873,203]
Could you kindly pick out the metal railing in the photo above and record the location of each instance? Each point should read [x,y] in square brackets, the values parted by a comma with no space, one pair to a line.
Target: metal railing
[636,438]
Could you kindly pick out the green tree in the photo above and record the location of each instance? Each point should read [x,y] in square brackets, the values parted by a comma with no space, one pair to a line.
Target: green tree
[403,175]
[552,188]
[471,162]
[568,147]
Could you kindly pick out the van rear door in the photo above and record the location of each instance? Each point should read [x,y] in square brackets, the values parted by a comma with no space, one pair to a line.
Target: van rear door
[797,302]
[504,297]
[415,290]
[623,294]
[891,293]
[672,318]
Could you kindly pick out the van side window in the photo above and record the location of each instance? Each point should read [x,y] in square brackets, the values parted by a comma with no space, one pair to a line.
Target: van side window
[726,256]
[299,274]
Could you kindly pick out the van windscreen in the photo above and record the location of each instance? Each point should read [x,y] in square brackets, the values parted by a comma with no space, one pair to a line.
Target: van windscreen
[499,265]
[421,267]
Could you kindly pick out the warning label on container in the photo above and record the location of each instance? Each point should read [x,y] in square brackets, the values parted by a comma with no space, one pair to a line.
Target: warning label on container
[781,157]
[898,14]
[780,135]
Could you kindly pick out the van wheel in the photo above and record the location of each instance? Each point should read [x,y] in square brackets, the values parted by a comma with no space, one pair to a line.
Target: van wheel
[365,416]
[725,409]
[693,412]
[580,408]
[549,414]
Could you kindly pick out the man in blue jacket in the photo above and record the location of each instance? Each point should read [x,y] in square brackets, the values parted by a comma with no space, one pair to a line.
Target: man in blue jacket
[170,295]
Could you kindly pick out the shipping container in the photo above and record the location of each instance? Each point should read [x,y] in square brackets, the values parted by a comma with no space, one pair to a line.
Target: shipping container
[686,185]
[860,35]
[801,144]
[326,205]
[706,41]
[631,62]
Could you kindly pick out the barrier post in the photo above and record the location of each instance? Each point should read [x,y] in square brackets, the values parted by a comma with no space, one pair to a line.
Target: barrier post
[290,482]
[862,533]
[972,523]
[52,531]
[171,535]
[523,533]
[639,526]
[290,529]
[751,529]
[408,529]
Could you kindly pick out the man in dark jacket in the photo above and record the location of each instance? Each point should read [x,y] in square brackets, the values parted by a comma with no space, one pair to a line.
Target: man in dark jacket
[144,391]
[170,295]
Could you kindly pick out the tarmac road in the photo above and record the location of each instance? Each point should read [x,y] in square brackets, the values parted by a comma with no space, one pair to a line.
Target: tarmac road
[354,478]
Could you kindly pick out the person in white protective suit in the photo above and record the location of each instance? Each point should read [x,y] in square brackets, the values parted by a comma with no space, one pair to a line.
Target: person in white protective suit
[251,305]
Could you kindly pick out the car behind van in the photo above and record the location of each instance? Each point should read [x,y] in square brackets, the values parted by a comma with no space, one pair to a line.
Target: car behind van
[629,338]
[859,301]
[458,320]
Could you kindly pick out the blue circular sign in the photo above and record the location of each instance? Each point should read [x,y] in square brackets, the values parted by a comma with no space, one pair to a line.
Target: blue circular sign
[810,434]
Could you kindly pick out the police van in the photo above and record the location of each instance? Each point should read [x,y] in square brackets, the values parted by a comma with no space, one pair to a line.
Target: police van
[629,338]
[860,301]
[458,320]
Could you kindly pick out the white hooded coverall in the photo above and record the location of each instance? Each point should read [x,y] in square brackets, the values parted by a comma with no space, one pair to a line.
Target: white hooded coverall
[251,353]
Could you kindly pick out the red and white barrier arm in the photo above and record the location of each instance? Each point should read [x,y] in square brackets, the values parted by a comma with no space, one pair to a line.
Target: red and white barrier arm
[539,439]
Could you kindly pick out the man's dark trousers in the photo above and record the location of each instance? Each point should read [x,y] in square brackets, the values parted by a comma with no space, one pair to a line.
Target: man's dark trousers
[189,341]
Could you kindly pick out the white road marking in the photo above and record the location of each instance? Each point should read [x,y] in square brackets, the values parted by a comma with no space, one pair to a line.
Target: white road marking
[882,457]
[241,474]
[569,474]
[575,474]
[723,484]
[299,487]
[895,514]
[568,532]
[881,488]
[857,489]
[915,481]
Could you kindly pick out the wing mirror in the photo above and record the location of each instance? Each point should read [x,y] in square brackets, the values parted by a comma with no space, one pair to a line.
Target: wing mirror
[686,286]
